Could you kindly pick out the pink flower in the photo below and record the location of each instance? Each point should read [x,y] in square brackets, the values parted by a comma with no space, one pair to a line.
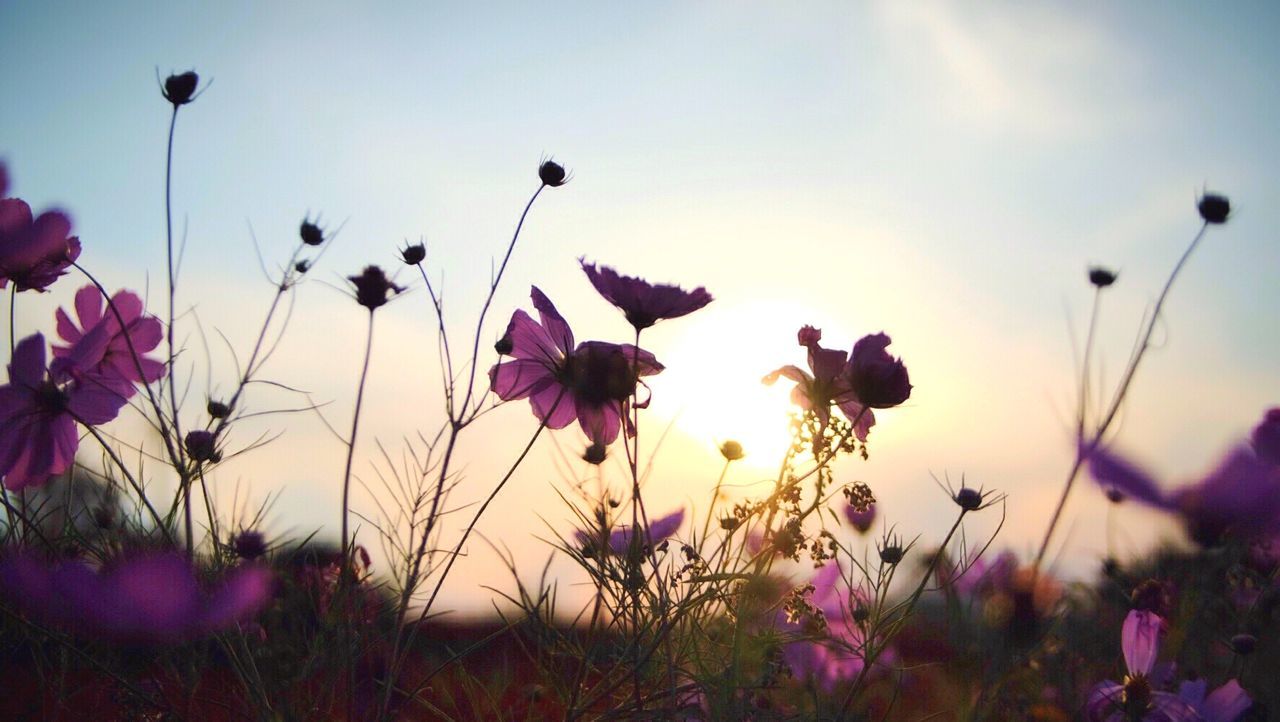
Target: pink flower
[33,253]
[827,385]
[38,415]
[1136,699]
[877,379]
[592,383]
[105,350]
[152,597]
[644,303]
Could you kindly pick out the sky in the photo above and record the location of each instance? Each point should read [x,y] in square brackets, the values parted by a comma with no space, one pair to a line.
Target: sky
[944,172]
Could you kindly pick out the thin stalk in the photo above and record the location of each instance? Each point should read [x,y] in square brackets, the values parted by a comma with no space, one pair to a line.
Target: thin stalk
[351,446]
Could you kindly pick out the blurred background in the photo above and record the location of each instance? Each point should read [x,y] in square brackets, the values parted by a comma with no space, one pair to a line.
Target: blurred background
[945,172]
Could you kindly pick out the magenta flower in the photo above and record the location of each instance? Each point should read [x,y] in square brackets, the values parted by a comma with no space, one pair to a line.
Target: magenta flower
[1136,699]
[38,414]
[877,379]
[33,253]
[1224,704]
[827,385]
[644,303]
[107,352]
[592,383]
[660,529]
[1266,437]
[1240,497]
[152,597]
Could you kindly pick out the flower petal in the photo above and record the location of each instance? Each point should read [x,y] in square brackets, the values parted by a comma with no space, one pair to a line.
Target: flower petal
[1140,640]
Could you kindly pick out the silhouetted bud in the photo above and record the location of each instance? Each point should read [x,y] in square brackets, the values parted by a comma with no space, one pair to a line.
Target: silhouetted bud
[595,454]
[249,545]
[302,266]
[181,89]
[551,173]
[968,499]
[218,410]
[1214,208]
[414,254]
[731,451]
[372,287]
[1244,644]
[503,345]
[200,446]
[1101,277]
[891,554]
[861,614]
[310,233]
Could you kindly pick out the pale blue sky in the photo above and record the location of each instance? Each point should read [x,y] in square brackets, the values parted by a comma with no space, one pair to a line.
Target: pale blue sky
[942,171]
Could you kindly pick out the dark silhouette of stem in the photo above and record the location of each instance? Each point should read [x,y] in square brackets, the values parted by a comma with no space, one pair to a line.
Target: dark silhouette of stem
[351,446]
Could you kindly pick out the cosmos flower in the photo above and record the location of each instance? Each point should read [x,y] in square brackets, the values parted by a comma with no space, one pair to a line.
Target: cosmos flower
[33,252]
[1224,704]
[1241,497]
[38,414]
[644,303]
[106,351]
[592,382]
[152,597]
[660,529]
[1135,699]
[877,379]
[827,384]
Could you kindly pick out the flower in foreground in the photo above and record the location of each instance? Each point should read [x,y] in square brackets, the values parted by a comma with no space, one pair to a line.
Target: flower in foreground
[1241,497]
[827,385]
[644,303]
[592,382]
[33,252]
[1135,699]
[1224,704]
[108,352]
[38,414]
[152,597]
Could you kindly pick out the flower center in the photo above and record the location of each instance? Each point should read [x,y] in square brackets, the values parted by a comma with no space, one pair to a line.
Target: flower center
[599,375]
[1135,697]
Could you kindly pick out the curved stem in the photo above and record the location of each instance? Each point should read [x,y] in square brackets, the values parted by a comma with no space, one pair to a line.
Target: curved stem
[351,446]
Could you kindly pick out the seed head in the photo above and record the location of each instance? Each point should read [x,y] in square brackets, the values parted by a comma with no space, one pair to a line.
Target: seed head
[180,89]
[249,545]
[302,266]
[891,554]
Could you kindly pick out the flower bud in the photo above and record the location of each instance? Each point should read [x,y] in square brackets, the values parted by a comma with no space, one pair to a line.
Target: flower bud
[302,266]
[249,545]
[891,554]
[1214,208]
[968,499]
[218,410]
[1101,277]
[372,287]
[180,89]
[595,454]
[503,345]
[201,446]
[414,254]
[551,173]
[731,451]
[310,233]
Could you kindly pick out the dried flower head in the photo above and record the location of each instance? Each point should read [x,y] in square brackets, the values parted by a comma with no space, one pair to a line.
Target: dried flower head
[968,499]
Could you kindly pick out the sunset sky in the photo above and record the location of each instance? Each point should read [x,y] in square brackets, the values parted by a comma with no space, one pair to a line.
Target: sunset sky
[944,172]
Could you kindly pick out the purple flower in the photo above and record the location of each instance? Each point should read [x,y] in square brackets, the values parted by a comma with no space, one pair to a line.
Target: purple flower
[1240,497]
[877,379]
[1136,699]
[660,529]
[1266,437]
[1224,704]
[644,303]
[827,385]
[592,383]
[106,351]
[152,597]
[861,520]
[33,253]
[38,415]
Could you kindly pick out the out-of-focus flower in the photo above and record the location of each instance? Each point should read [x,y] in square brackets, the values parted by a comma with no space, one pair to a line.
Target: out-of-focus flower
[33,252]
[1136,698]
[249,544]
[877,379]
[732,451]
[985,575]
[1224,704]
[1266,437]
[861,520]
[180,88]
[1101,277]
[373,287]
[827,385]
[1214,208]
[1240,497]
[660,529]
[552,173]
[38,415]
[218,409]
[644,303]
[100,349]
[147,598]
[592,382]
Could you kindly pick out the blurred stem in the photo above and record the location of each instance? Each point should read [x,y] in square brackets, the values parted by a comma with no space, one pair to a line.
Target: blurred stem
[351,447]
[1083,447]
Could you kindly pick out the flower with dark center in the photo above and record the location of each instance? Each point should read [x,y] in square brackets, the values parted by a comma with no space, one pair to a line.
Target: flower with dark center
[373,287]
[180,88]
[1214,208]
[413,254]
[643,303]
[1101,277]
[310,233]
[552,173]
[1135,699]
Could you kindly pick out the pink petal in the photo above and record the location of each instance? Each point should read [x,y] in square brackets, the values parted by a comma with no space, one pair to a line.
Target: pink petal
[518,378]
[552,321]
[1140,641]
[1226,703]
[554,405]
[88,306]
[26,368]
